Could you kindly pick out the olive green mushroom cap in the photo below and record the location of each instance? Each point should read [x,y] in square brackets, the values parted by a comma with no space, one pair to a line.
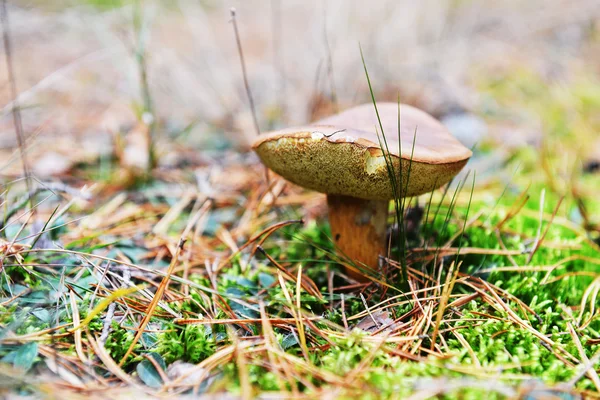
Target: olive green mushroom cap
[342,154]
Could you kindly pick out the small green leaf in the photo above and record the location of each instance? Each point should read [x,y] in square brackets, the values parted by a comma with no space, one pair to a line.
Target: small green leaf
[42,314]
[148,373]
[9,358]
[25,356]
[265,280]
[289,341]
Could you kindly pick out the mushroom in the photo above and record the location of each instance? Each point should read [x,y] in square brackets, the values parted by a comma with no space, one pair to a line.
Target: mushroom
[341,156]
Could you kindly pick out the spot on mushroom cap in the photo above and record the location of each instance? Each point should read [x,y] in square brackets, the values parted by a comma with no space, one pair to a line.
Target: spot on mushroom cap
[341,154]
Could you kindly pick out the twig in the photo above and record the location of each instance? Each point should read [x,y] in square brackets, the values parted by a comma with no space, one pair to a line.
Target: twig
[16,110]
[307,284]
[110,313]
[149,115]
[278,58]
[329,60]
[368,310]
[109,362]
[245,75]
[93,298]
[241,366]
[588,365]
[247,86]
[106,322]
[344,319]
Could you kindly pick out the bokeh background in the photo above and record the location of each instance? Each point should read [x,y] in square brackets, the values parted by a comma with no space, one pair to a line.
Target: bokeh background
[473,63]
[137,130]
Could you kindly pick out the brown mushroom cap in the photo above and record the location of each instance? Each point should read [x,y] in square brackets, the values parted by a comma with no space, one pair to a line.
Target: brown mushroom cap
[341,154]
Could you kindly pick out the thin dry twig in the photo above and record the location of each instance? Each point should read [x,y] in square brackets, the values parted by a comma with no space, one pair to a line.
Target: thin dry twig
[238,42]
[16,110]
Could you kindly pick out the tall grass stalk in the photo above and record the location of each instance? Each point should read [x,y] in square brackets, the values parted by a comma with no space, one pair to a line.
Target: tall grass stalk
[396,177]
[14,93]
[148,115]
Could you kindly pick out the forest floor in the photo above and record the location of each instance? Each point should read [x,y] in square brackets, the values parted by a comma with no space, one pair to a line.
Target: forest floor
[187,272]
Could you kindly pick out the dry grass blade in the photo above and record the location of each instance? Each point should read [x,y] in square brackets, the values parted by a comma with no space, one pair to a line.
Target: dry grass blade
[206,321]
[124,263]
[549,342]
[517,207]
[446,292]
[295,313]
[165,222]
[478,283]
[590,293]
[299,322]
[467,346]
[271,343]
[244,73]
[77,333]
[312,370]
[445,251]
[306,283]
[38,335]
[102,306]
[108,362]
[588,366]
[366,361]
[242,366]
[540,239]
[9,247]
[344,318]
[16,109]
[221,356]
[154,303]
[362,297]
[267,231]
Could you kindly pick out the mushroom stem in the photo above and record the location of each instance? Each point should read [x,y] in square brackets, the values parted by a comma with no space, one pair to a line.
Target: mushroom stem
[358,227]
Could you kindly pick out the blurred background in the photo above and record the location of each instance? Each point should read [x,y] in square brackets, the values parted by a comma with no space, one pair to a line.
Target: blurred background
[136,126]
[92,73]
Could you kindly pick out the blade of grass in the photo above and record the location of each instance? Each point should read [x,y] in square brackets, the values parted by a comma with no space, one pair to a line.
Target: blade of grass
[238,42]
[110,364]
[77,333]
[295,314]
[16,109]
[539,239]
[103,304]
[299,311]
[462,233]
[383,144]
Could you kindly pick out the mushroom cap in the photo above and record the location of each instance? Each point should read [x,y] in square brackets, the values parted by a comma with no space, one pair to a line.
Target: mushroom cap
[342,155]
